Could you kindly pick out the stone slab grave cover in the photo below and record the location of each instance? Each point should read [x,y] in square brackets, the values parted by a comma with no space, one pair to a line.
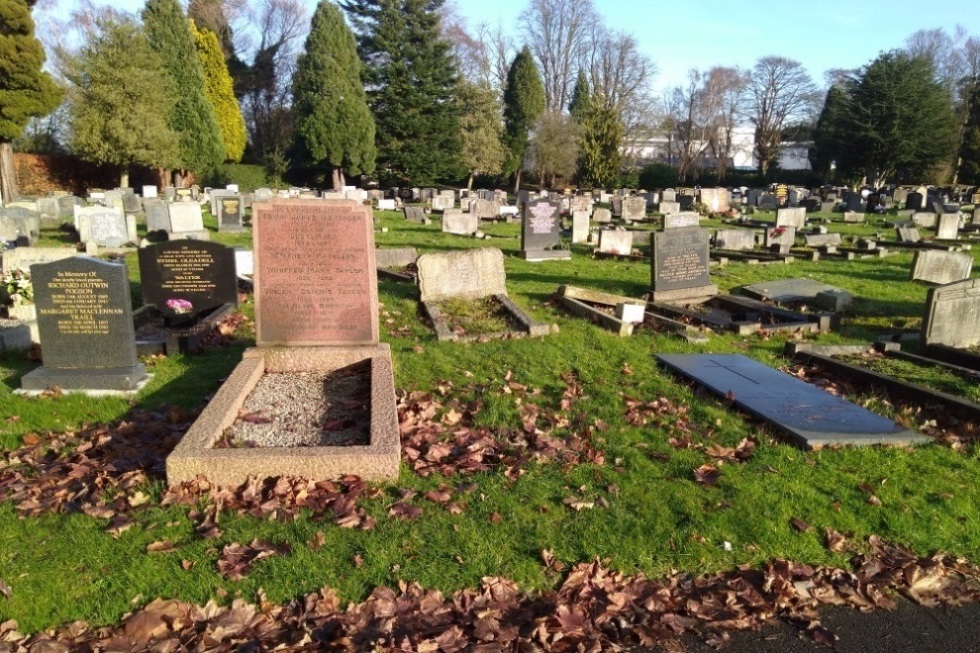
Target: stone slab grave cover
[679,265]
[681,220]
[795,217]
[811,417]
[736,239]
[953,315]
[231,213]
[454,221]
[949,226]
[541,232]
[634,208]
[22,258]
[794,291]
[85,323]
[469,275]
[589,304]
[616,241]
[200,273]
[316,312]
[939,267]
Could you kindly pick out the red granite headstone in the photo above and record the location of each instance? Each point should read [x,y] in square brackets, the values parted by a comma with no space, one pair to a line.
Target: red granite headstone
[315,278]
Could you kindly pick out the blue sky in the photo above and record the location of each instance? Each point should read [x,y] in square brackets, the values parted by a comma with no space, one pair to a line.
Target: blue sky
[822,34]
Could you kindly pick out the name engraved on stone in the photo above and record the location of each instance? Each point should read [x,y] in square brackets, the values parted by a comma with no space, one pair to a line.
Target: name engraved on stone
[314,274]
[79,304]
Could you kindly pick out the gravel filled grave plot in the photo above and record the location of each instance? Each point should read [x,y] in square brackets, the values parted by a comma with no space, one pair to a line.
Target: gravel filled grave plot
[306,409]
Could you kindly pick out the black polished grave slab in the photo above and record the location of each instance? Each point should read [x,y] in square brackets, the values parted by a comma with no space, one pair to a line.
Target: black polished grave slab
[807,414]
[85,324]
[198,272]
[231,212]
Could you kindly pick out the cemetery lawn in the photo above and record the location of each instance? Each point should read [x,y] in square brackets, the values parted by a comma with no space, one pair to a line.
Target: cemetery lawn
[639,505]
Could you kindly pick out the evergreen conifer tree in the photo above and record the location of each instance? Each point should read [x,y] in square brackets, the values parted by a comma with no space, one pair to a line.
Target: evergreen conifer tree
[120,97]
[26,91]
[411,78]
[334,126]
[192,117]
[481,130]
[523,105]
[599,157]
[220,92]
[579,104]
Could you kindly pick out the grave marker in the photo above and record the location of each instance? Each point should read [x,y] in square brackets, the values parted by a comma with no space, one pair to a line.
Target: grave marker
[580,226]
[196,271]
[939,267]
[679,265]
[615,241]
[454,221]
[793,217]
[949,226]
[953,315]
[541,232]
[231,213]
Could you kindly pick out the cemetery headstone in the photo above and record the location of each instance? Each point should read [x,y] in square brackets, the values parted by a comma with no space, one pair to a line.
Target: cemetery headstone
[939,267]
[231,213]
[924,219]
[580,226]
[416,214]
[907,234]
[669,195]
[22,258]
[953,315]
[602,216]
[791,217]
[188,277]
[853,216]
[823,240]
[541,232]
[780,238]
[666,208]
[634,208]
[85,323]
[679,265]
[735,239]
[157,215]
[395,257]
[186,221]
[454,221]
[949,226]
[681,220]
[462,274]
[615,241]
[106,227]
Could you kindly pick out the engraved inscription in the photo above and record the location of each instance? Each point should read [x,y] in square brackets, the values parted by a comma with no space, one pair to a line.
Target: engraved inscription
[80,304]
[187,267]
[680,259]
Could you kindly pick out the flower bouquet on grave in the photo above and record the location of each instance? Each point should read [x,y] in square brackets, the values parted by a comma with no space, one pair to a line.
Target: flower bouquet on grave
[16,288]
[182,313]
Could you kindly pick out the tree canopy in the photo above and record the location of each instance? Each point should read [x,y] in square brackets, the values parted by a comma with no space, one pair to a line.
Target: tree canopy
[411,77]
[120,98]
[334,126]
[192,117]
[480,130]
[220,92]
[523,105]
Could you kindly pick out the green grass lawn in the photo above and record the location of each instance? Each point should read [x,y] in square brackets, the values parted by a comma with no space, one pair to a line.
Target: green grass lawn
[648,513]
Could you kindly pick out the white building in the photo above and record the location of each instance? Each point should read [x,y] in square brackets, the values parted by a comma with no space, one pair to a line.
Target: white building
[655,149]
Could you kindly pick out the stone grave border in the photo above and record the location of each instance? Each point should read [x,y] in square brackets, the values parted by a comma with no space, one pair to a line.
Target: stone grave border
[528,325]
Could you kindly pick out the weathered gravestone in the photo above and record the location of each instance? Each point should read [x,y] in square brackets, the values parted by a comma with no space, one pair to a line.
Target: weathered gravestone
[187,277]
[541,232]
[416,214]
[666,208]
[679,265]
[186,221]
[107,227]
[485,209]
[581,203]
[580,226]
[939,267]
[823,240]
[953,315]
[811,417]
[443,202]
[602,216]
[716,200]
[792,291]
[395,257]
[924,220]
[915,201]
[316,318]
[48,209]
[794,217]
[22,258]
[780,239]
[735,239]
[854,216]
[681,220]
[85,322]
[454,221]
[949,226]
[469,275]
[231,213]
[157,215]
[634,208]
[615,241]
[907,234]
[669,195]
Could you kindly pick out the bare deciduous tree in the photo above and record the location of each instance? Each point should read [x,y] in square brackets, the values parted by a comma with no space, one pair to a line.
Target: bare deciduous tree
[558,33]
[691,115]
[724,90]
[483,54]
[779,90]
[554,148]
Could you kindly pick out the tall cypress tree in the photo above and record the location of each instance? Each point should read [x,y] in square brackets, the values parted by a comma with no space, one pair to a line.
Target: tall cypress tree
[220,92]
[26,91]
[599,159]
[192,117]
[411,78]
[334,126]
[523,105]
[969,171]
[827,137]
[578,106]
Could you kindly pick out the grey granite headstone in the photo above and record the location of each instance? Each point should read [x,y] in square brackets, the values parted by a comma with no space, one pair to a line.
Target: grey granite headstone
[939,267]
[795,217]
[953,315]
[231,213]
[415,214]
[781,238]
[602,216]
[926,220]
[157,215]
[679,264]
[106,227]
[666,208]
[735,239]
[85,322]
[464,274]
[790,291]
[541,231]
[810,416]
[634,208]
